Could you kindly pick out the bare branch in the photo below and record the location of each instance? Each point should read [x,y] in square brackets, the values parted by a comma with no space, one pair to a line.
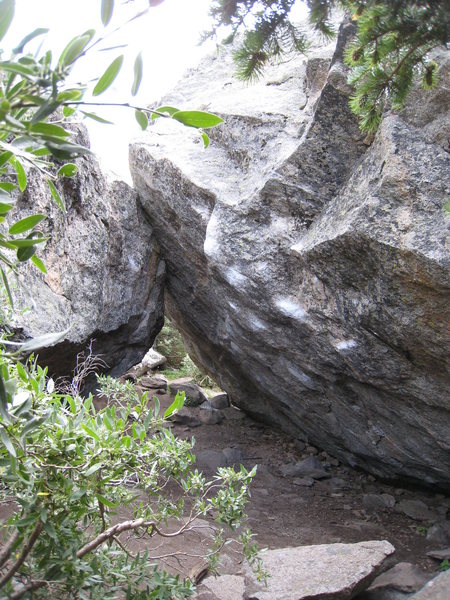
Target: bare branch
[27,546]
[7,548]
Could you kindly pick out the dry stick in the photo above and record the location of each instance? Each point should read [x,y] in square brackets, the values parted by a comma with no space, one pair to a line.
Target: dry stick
[7,548]
[119,528]
[26,550]
[30,587]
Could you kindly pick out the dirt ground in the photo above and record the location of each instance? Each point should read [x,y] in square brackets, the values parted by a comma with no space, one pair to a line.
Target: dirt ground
[282,513]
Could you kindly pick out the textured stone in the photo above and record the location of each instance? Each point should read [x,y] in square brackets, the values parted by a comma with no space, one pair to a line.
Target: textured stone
[308,271]
[309,467]
[103,280]
[224,587]
[378,502]
[303,481]
[443,554]
[436,589]
[219,401]
[152,359]
[210,416]
[324,571]
[233,456]
[210,460]
[404,577]
[439,533]
[416,509]
[193,394]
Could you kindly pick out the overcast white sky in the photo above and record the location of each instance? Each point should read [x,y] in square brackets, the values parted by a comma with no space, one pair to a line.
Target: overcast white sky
[167,36]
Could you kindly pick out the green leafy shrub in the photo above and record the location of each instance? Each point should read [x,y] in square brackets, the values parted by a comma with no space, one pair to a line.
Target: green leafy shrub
[390,47]
[68,468]
[179,364]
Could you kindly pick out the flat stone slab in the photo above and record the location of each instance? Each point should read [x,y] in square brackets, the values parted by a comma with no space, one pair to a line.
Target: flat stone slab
[404,577]
[325,572]
[436,589]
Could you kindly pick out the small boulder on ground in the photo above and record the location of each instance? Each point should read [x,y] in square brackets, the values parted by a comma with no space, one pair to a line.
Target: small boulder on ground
[324,571]
[193,393]
[219,401]
[440,554]
[309,467]
[378,502]
[403,577]
[209,415]
[416,509]
[439,533]
[436,589]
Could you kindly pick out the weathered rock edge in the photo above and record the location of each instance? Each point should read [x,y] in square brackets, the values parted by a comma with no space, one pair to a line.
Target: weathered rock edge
[307,266]
[324,571]
[105,278]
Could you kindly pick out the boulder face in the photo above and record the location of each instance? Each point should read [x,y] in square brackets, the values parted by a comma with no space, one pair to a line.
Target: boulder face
[307,267]
[105,278]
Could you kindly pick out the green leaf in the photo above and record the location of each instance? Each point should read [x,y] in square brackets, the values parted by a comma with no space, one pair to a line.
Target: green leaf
[138,69]
[206,140]
[170,110]
[68,111]
[27,242]
[66,150]
[107,11]
[26,224]
[7,186]
[141,118]
[75,48]
[197,118]
[94,468]
[17,69]
[90,432]
[6,440]
[5,207]
[39,264]
[108,76]
[49,129]
[37,32]
[45,110]
[7,288]
[21,175]
[4,401]
[176,405]
[67,170]
[95,117]
[105,501]
[50,530]
[54,192]
[43,341]
[6,16]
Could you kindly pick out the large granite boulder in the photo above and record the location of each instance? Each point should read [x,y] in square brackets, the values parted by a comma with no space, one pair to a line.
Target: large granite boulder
[307,266]
[105,278]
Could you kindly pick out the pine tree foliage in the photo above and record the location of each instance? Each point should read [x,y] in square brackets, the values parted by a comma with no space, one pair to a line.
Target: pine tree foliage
[390,49]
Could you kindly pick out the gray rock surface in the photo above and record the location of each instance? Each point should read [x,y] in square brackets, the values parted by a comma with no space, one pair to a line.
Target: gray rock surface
[103,280]
[404,577]
[416,509]
[307,266]
[439,533]
[443,554]
[309,467]
[219,401]
[209,415]
[324,571]
[436,589]
[193,394]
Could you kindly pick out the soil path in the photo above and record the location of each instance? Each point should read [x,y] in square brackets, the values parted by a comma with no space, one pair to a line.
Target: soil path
[342,508]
